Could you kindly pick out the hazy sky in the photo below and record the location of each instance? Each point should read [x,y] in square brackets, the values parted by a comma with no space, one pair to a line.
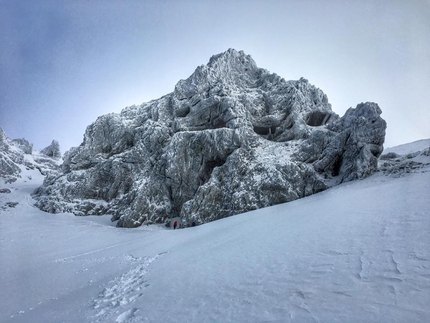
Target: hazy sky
[64,63]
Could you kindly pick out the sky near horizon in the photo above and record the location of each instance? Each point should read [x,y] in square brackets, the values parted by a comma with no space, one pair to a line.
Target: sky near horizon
[65,63]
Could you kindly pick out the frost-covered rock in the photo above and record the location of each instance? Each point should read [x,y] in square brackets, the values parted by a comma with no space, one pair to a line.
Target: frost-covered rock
[351,147]
[230,138]
[53,150]
[17,153]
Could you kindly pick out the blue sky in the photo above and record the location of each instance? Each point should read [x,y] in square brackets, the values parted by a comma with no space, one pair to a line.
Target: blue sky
[64,63]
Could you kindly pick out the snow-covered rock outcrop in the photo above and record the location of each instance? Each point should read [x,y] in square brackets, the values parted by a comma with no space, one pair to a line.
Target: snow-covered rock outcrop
[18,153]
[230,138]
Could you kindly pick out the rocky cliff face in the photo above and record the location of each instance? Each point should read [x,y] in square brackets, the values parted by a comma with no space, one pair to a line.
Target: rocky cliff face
[230,138]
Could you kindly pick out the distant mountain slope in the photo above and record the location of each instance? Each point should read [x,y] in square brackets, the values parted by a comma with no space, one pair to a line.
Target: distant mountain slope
[419,145]
[358,252]
[231,138]
[17,154]
[407,158]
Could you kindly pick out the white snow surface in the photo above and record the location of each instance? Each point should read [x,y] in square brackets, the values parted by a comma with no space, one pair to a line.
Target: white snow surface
[359,252]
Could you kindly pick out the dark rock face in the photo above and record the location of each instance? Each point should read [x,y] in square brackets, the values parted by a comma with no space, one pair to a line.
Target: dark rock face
[230,138]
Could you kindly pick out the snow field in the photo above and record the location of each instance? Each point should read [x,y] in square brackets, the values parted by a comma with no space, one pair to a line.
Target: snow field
[358,252]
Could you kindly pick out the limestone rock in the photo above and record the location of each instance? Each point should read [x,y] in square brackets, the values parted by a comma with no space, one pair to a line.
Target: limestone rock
[231,138]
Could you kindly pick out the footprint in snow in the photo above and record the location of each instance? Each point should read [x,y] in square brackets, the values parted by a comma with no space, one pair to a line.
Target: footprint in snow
[123,290]
[127,315]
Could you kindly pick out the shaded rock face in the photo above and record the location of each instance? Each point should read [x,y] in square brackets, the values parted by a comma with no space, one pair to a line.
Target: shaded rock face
[18,153]
[230,138]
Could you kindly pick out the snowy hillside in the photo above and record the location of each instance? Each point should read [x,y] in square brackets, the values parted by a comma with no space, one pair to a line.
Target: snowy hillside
[16,155]
[409,148]
[359,252]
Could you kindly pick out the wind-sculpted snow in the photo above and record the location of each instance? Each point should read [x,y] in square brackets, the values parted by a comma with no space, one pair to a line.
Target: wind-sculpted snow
[230,138]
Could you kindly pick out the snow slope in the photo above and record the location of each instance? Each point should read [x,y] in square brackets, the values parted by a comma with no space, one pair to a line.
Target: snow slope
[359,252]
[409,147]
